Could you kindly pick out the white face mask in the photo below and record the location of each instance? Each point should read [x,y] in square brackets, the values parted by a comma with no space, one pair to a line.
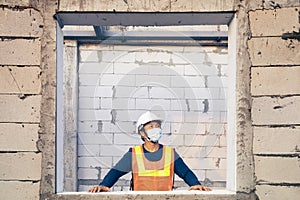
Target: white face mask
[154,134]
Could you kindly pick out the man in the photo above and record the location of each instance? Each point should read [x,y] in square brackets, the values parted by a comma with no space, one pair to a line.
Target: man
[152,164]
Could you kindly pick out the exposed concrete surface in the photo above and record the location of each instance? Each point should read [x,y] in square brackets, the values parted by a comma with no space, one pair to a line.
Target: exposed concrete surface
[260,44]
[20,80]
[274,22]
[269,192]
[20,166]
[18,137]
[277,169]
[244,162]
[268,51]
[16,190]
[10,106]
[147,6]
[275,110]
[284,81]
[20,52]
[281,140]
[21,23]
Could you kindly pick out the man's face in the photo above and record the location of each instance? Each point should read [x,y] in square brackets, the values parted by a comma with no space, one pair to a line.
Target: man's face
[151,125]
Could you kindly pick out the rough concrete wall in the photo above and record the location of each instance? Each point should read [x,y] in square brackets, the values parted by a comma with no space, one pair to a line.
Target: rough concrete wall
[27,95]
[275,51]
[276,166]
[20,102]
[184,85]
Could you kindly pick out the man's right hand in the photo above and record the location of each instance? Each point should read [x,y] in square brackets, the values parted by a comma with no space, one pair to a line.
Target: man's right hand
[99,188]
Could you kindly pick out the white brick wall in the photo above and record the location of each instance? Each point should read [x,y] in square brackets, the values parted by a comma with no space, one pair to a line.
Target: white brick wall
[116,86]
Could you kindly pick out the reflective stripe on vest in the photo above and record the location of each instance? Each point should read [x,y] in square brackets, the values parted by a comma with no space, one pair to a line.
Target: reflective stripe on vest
[141,167]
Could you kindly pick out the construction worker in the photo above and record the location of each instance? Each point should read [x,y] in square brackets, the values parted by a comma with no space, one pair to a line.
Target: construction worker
[152,164]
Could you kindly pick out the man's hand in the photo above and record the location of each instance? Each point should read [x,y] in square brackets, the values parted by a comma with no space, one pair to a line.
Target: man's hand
[99,188]
[199,187]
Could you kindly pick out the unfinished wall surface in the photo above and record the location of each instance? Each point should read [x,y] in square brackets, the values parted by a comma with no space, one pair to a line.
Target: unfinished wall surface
[20,102]
[270,95]
[184,85]
[275,74]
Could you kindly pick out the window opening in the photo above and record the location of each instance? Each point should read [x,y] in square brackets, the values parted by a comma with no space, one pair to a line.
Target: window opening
[180,73]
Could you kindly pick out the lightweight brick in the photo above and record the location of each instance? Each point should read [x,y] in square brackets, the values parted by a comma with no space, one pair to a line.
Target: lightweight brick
[275,110]
[95,91]
[123,103]
[153,104]
[90,79]
[118,80]
[217,82]
[206,163]
[18,137]
[119,127]
[199,117]
[15,190]
[94,139]
[153,57]
[202,140]
[89,103]
[90,56]
[90,126]
[129,68]
[217,58]
[202,93]
[20,23]
[127,115]
[153,80]
[88,150]
[20,166]
[15,109]
[275,80]
[173,140]
[167,70]
[87,173]
[274,51]
[271,192]
[274,22]
[216,175]
[276,140]
[94,115]
[131,92]
[12,52]
[188,81]
[123,138]
[115,150]
[20,80]
[96,68]
[118,56]
[200,70]
[277,169]
[103,162]
[166,93]
[188,128]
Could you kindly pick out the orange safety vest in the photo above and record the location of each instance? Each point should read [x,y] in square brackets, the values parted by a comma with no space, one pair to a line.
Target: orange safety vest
[155,176]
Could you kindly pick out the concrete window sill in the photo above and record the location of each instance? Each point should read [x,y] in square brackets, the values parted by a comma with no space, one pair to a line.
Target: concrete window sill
[176,194]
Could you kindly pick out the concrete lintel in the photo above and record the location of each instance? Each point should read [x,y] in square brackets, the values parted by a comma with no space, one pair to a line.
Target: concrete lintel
[143,19]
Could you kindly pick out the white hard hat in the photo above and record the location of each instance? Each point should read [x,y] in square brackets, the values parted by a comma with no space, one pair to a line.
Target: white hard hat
[145,118]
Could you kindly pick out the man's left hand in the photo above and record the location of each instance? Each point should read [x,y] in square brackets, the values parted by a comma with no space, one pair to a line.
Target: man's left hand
[200,187]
